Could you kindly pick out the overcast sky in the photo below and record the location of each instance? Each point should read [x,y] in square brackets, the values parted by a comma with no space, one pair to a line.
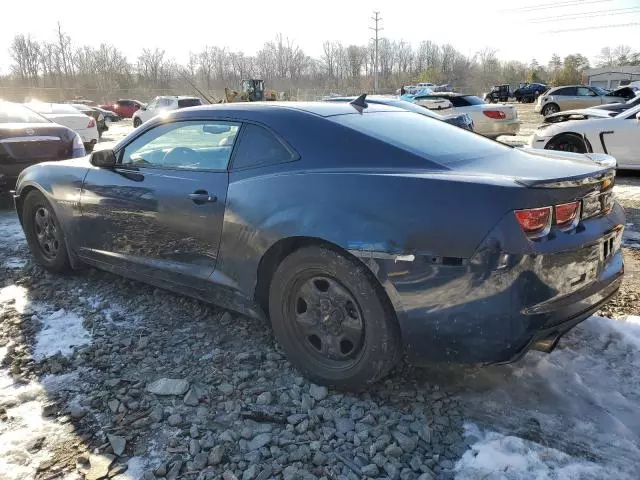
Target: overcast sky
[517,29]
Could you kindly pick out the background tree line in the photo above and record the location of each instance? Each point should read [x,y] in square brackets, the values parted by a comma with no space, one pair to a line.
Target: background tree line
[61,64]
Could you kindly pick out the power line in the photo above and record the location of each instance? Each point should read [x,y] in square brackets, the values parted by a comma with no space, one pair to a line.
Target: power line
[593,14]
[566,3]
[596,27]
[376,18]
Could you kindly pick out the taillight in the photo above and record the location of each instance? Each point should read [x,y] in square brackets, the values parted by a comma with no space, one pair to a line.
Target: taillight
[534,220]
[495,114]
[92,123]
[567,213]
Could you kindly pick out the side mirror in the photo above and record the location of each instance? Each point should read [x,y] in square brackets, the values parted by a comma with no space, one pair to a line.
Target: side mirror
[103,159]
[142,107]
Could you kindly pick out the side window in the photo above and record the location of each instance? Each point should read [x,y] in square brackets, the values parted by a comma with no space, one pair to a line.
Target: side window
[585,92]
[152,104]
[258,146]
[567,91]
[194,145]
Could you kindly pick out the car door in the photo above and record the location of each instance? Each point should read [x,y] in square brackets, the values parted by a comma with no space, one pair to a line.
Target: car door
[159,212]
[585,98]
[623,141]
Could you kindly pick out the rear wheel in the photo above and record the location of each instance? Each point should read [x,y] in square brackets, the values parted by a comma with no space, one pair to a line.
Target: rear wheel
[137,122]
[567,143]
[329,317]
[44,233]
[550,108]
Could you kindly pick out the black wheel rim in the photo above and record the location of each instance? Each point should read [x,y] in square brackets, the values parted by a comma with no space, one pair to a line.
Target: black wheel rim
[327,320]
[47,232]
[567,146]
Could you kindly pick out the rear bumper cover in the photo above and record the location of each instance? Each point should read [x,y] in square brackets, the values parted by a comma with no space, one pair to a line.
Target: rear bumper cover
[497,128]
[493,310]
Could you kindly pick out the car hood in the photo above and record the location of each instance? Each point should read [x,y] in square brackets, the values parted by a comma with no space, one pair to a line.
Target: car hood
[578,114]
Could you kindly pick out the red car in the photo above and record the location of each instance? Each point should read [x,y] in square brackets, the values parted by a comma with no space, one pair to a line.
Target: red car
[124,108]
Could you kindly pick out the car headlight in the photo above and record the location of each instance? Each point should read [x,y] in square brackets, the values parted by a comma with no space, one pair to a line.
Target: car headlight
[78,147]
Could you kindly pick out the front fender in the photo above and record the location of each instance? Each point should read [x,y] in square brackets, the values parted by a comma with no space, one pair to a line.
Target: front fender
[61,184]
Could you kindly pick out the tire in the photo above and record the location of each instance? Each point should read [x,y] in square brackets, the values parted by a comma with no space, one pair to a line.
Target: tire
[331,319]
[549,109]
[88,147]
[44,233]
[137,122]
[567,143]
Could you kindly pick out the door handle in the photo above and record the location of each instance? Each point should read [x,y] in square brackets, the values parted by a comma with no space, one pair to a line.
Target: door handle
[200,197]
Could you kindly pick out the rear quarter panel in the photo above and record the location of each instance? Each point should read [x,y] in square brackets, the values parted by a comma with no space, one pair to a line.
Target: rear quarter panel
[383,212]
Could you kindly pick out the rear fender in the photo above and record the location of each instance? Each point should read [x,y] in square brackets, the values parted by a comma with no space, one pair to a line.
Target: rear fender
[379,216]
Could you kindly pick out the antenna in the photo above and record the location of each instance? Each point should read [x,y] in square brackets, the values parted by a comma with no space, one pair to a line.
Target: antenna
[360,102]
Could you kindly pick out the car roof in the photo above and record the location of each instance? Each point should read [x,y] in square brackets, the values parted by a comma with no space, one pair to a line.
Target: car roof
[445,94]
[322,109]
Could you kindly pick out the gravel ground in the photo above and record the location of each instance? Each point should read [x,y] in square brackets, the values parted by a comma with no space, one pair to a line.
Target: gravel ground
[102,377]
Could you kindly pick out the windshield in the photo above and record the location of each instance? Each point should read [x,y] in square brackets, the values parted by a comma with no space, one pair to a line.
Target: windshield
[600,91]
[14,113]
[433,140]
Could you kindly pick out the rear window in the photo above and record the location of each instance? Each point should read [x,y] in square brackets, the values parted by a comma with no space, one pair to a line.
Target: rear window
[188,102]
[429,138]
[466,101]
[14,113]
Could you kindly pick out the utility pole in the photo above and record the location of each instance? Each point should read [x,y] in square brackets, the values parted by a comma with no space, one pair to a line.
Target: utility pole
[376,18]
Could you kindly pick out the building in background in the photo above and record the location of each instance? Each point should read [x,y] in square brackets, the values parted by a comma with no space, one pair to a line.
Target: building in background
[612,77]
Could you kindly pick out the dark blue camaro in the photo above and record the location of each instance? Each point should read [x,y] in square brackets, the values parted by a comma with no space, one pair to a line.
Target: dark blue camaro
[362,231]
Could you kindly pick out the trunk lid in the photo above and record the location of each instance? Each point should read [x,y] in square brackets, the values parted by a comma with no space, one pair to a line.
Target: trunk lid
[509,110]
[78,121]
[22,145]
[532,168]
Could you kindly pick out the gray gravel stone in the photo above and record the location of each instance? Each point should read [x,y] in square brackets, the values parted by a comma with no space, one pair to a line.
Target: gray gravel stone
[370,470]
[259,441]
[174,420]
[344,425]
[215,455]
[405,442]
[265,398]
[318,392]
[117,444]
[200,461]
[168,386]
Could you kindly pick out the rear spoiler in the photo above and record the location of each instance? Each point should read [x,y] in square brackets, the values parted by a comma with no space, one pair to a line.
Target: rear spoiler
[604,177]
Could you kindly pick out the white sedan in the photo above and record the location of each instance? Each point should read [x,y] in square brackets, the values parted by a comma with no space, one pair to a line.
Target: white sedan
[490,120]
[162,104]
[67,115]
[618,136]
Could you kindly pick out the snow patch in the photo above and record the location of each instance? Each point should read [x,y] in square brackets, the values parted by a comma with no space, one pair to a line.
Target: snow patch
[581,400]
[24,428]
[15,295]
[136,467]
[497,456]
[61,331]
[12,234]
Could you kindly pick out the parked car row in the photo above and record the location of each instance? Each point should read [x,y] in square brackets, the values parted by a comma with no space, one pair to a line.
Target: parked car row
[580,96]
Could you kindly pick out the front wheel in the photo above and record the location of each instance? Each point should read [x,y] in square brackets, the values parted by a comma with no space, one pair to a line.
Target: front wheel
[330,318]
[44,233]
[549,109]
[136,122]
